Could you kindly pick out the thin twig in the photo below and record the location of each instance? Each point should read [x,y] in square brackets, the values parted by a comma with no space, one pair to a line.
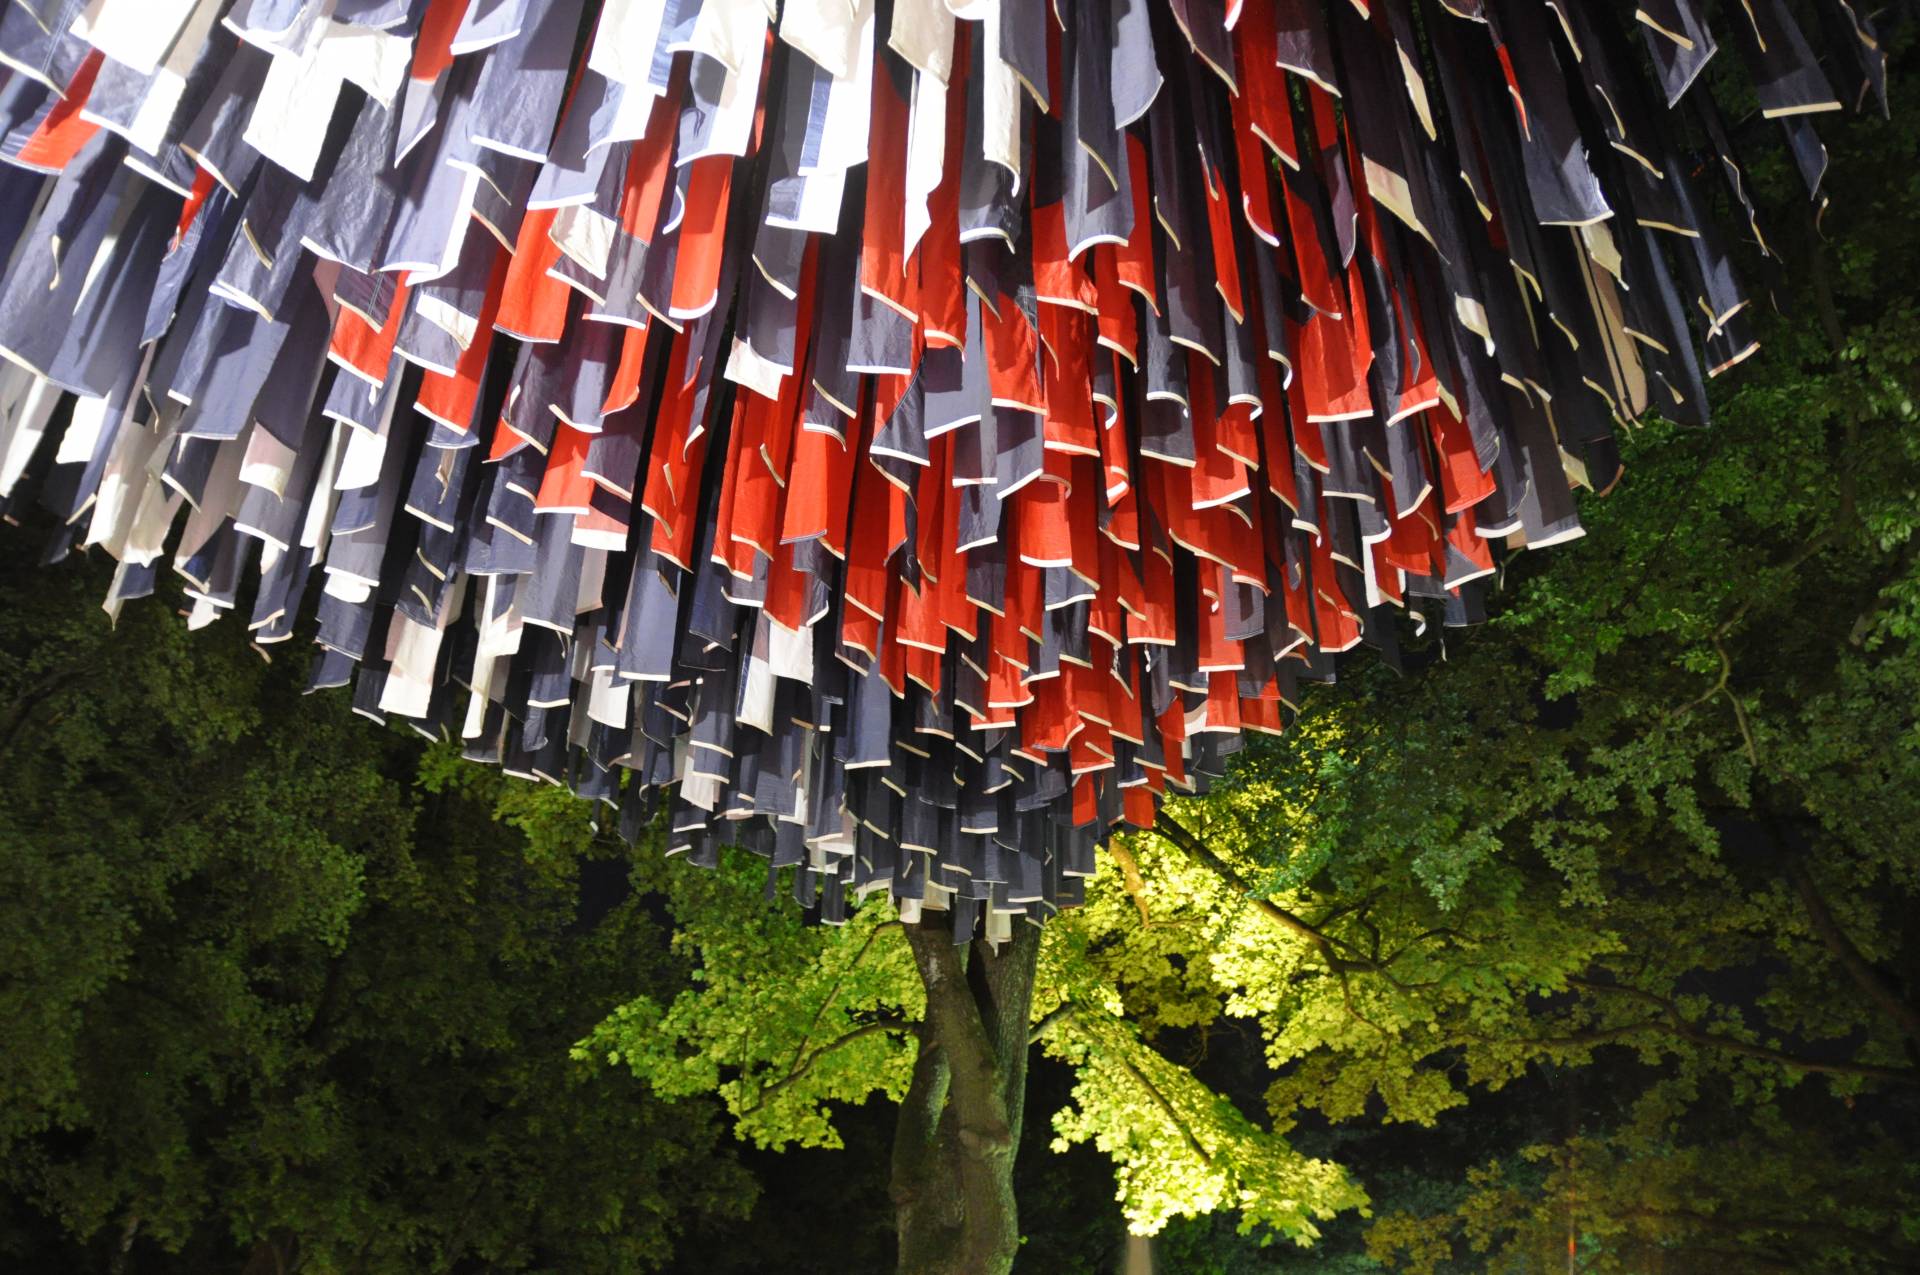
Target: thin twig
[839,981]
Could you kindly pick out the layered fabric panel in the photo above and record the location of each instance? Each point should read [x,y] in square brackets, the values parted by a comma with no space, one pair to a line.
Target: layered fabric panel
[908,438]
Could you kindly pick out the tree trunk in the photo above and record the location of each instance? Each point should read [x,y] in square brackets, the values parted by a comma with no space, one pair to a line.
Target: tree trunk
[959,1126]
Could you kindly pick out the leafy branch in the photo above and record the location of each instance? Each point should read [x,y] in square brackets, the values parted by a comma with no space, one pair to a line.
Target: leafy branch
[1342,956]
[805,1064]
[1068,1010]
[1878,988]
[1674,1020]
[1203,854]
[839,981]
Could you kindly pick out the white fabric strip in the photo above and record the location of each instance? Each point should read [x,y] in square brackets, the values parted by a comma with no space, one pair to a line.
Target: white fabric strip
[268,463]
[296,100]
[926,153]
[743,38]
[843,144]
[135,33]
[624,41]
[922,34]
[829,32]
[83,432]
[1000,99]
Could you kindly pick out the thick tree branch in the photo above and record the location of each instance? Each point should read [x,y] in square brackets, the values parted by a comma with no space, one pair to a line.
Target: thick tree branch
[1353,1011]
[1722,686]
[1161,1101]
[955,1020]
[1438,932]
[926,1092]
[1134,1073]
[1052,1019]
[1204,855]
[979,1020]
[1820,277]
[1136,885]
[1007,1011]
[917,1128]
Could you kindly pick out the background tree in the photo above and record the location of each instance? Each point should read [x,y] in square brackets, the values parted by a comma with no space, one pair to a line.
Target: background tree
[269,1003]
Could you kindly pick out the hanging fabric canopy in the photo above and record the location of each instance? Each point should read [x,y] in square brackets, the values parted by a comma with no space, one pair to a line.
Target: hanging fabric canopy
[916,436]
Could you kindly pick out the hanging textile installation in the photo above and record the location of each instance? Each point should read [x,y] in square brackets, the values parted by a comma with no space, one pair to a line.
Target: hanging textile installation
[911,436]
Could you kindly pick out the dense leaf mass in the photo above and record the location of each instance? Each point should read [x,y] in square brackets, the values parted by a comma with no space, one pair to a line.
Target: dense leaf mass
[266,995]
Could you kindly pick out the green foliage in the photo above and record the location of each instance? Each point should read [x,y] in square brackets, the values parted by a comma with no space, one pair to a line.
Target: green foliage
[265,995]
[783,1019]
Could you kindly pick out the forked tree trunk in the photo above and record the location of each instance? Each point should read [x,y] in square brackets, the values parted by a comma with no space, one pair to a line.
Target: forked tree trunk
[960,1123]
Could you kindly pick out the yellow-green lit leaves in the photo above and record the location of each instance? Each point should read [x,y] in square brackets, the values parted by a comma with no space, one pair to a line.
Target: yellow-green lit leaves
[1108,984]
[784,1019]
[1178,1148]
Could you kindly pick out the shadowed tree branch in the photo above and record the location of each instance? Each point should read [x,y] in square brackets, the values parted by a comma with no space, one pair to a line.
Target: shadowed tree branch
[1879,989]
[1687,1029]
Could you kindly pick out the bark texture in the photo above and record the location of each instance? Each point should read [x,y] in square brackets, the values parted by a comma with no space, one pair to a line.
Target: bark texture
[959,1126]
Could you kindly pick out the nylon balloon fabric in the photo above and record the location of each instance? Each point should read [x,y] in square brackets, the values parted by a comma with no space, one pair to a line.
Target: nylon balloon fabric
[908,438]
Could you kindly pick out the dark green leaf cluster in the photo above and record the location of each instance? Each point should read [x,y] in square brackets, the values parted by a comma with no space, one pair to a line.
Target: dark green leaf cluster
[266,997]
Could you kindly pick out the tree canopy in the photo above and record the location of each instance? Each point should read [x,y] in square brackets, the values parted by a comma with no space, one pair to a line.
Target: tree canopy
[275,984]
